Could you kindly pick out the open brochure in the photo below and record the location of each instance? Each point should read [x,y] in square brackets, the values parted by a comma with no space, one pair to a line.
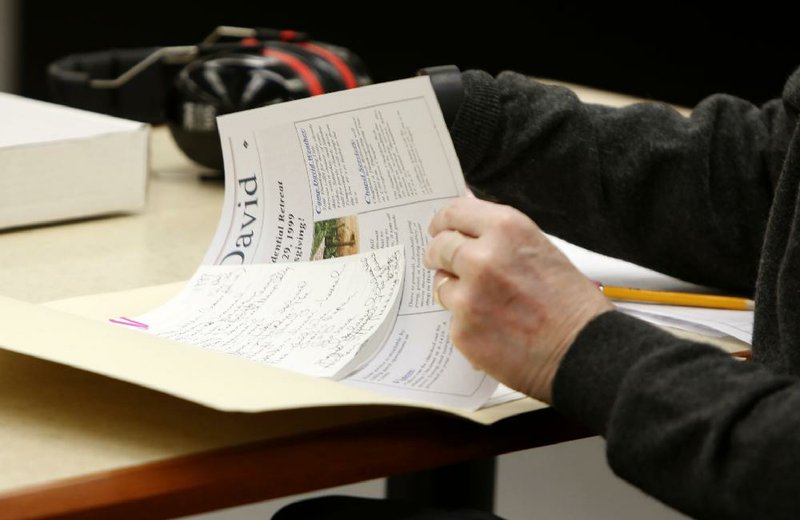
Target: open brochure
[316,265]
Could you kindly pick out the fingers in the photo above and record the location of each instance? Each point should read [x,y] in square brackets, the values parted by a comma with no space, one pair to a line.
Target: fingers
[456,225]
[443,249]
[468,215]
[516,303]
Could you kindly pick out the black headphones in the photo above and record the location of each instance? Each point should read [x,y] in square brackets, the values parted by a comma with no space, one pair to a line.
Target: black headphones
[233,69]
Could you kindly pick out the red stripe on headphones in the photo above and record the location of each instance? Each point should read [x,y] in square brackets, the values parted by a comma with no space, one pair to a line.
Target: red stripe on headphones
[344,70]
[304,71]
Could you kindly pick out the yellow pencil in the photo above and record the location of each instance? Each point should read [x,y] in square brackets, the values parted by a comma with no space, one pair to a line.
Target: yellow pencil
[677,298]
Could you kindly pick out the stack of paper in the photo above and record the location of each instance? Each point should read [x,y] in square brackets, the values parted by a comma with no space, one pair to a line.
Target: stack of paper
[612,271]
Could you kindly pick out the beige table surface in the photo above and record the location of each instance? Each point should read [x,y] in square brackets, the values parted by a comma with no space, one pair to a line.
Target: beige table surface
[58,422]
[164,243]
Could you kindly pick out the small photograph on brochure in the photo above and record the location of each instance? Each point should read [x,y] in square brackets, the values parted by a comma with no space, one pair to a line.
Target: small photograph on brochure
[335,237]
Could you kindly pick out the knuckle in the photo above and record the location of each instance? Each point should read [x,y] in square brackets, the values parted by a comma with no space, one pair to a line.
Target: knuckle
[446,214]
[460,301]
[509,219]
[431,255]
[426,257]
[480,259]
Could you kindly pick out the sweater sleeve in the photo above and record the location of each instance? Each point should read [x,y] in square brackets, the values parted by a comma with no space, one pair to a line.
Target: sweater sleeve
[685,422]
[685,196]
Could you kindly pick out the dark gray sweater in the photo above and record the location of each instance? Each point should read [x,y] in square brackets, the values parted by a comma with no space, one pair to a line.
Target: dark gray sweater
[714,199]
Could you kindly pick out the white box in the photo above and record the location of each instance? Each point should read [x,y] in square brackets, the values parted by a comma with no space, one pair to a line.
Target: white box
[61,163]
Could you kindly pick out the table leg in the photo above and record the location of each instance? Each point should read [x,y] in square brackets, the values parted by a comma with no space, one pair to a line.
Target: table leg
[464,485]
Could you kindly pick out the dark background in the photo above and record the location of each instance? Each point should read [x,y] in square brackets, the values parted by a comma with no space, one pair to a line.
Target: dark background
[676,52]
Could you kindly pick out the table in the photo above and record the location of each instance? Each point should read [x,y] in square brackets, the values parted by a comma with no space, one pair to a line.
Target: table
[79,444]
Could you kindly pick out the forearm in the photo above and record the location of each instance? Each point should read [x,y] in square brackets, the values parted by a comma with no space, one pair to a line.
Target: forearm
[709,435]
[689,197]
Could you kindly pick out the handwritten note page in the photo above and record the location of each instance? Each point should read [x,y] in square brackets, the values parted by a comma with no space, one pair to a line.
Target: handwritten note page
[319,318]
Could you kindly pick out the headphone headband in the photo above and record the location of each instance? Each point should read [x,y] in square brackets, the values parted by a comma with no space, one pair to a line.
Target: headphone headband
[72,82]
[132,83]
[214,77]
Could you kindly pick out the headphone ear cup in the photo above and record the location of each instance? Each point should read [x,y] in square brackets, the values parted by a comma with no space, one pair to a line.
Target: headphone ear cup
[341,63]
[310,63]
[252,77]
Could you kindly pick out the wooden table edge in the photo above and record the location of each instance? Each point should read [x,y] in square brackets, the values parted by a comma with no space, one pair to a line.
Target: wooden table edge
[285,466]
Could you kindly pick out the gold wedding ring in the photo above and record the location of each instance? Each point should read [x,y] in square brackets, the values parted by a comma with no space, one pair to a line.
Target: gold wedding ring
[438,286]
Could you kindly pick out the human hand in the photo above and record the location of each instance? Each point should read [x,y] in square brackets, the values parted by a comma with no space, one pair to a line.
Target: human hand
[517,301]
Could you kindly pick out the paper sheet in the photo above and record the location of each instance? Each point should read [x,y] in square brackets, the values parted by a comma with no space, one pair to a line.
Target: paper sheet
[709,322]
[421,363]
[612,271]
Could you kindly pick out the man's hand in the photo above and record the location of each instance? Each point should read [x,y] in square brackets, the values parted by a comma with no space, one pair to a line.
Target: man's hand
[517,302]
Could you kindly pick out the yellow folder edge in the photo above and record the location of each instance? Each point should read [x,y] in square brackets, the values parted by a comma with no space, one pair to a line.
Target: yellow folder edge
[75,332]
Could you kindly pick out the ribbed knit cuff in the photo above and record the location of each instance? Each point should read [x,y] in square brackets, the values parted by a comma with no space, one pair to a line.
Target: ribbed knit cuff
[791,92]
[593,369]
[477,119]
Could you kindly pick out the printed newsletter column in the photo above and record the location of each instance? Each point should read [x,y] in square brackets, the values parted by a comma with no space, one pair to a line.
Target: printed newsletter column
[359,162]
